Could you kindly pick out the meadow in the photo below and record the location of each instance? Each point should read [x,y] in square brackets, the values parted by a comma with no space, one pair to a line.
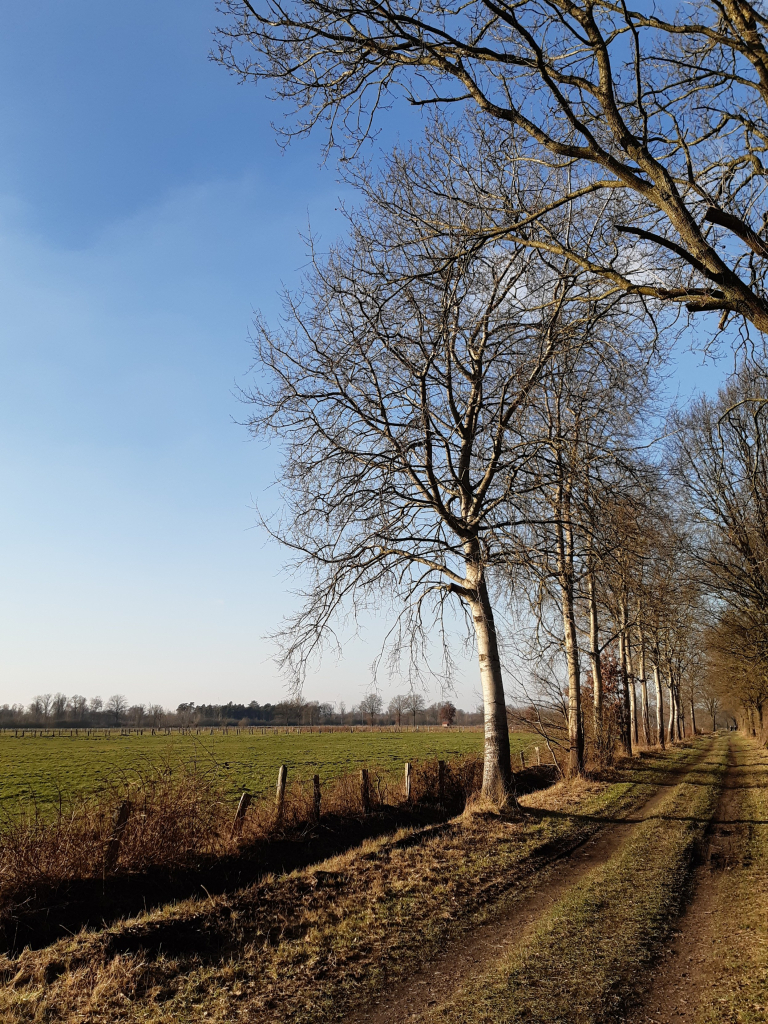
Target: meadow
[49,768]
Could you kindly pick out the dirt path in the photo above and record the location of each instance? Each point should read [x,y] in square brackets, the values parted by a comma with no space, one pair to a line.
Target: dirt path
[435,982]
[689,965]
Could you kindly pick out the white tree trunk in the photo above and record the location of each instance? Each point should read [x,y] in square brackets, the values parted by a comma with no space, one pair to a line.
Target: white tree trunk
[565,573]
[659,707]
[632,693]
[645,714]
[575,735]
[672,729]
[497,765]
[594,657]
[626,728]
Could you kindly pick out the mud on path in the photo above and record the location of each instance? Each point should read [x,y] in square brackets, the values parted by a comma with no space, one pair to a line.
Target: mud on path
[486,943]
[690,964]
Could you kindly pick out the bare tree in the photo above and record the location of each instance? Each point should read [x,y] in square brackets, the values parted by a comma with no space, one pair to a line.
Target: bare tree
[136,714]
[117,706]
[371,706]
[78,706]
[654,117]
[42,706]
[711,700]
[635,519]
[155,714]
[720,450]
[397,707]
[447,713]
[592,395]
[414,705]
[399,390]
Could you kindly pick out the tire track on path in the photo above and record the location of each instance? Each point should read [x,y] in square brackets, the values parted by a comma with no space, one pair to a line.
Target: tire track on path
[689,965]
[486,943]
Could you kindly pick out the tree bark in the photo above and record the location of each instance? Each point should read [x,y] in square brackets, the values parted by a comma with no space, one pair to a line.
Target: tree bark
[626,731]
[597,671]
[575,732]
[672,730]
[693,717]
[565,573]
[645,715]
[659,706]
[632,693]
[497,765]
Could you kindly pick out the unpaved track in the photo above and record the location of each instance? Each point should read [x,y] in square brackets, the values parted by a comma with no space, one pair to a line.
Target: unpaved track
[472,952]
[689,963]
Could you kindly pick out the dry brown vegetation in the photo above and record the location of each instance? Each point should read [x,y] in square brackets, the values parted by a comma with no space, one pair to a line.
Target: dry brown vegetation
[310,944]
[55,870]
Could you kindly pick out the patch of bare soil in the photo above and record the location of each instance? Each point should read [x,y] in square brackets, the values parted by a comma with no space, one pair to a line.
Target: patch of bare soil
[472,953]
[689,964]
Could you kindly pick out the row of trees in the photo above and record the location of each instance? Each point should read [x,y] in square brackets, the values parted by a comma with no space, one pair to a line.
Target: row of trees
[462,389]
[410,708]
[56,710]
[721,462]
[51,711]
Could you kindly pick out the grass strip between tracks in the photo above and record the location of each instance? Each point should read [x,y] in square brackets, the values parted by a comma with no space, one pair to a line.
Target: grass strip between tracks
[312,945]
[578,966]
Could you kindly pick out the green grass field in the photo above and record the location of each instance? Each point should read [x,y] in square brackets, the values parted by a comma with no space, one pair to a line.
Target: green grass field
[46,767]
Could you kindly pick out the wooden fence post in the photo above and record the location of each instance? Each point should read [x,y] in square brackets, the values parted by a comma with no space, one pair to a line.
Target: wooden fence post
[441,782]
[282,775]
[522,760]
[408,781]
[538,755]
[365,792]
[316,796]
[118,828]
[242,807]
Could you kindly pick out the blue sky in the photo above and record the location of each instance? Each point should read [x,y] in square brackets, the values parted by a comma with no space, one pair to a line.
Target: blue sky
[145,211]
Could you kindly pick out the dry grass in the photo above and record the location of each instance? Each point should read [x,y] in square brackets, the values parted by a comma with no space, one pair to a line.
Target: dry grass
[585,956]
[181,819]
[311,945]
[736,991]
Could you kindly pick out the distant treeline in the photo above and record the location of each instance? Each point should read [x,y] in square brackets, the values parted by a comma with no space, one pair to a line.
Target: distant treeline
[57,710]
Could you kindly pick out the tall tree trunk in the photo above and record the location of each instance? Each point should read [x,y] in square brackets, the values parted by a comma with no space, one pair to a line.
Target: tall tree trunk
[626,731]
[597,670]
[671,731]
[497,765]
[693,716]
[645,716]
[659,706]
[680,713]
[565,573]
[632,692]
[575,731]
